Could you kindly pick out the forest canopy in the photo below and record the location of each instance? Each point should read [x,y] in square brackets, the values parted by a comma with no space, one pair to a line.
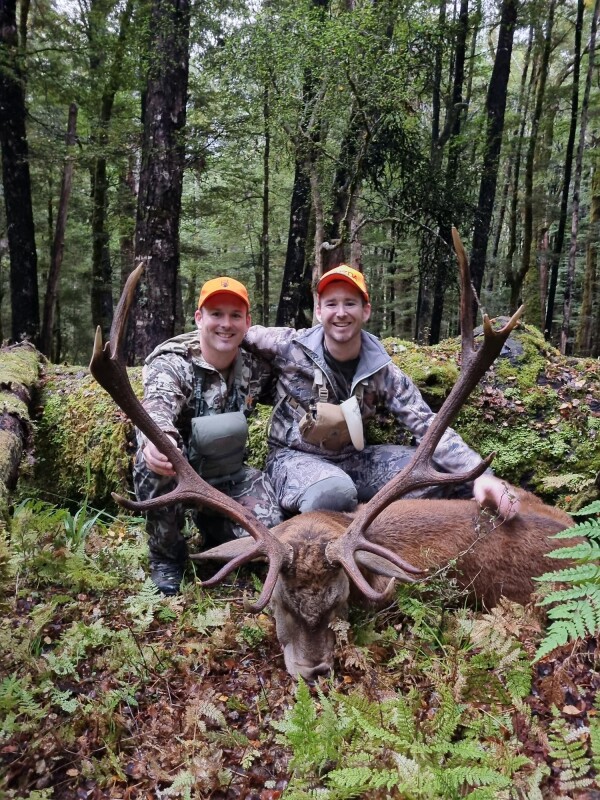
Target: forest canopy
[272,141]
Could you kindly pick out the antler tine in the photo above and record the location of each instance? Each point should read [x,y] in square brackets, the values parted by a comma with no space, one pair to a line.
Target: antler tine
[108,368]
[277,559]
[420,473]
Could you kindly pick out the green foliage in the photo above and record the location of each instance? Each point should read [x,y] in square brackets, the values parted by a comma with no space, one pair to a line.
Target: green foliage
[574,607]
[149,604]
[569,752]
[51,544]
[19,711]
[356,746]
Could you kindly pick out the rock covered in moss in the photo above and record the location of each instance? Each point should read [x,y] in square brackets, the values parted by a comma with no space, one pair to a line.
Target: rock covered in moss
[536,409]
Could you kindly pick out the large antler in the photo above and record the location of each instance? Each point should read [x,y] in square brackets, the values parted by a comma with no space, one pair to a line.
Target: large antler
[421,472]
[108,368]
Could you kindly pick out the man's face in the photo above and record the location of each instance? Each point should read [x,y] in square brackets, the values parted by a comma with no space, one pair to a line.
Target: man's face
[222,323]
[342,312]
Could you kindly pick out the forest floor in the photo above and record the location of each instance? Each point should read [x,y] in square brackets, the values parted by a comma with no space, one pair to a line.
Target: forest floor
[109,690]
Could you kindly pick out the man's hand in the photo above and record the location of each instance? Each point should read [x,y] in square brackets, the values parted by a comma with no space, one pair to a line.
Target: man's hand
[157,461]
[490,492]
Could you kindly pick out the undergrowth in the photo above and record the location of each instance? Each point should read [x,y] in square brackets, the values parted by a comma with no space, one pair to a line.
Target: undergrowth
[108,686]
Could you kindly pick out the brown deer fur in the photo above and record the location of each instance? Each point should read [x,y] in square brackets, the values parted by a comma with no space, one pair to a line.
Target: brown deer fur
[488,559]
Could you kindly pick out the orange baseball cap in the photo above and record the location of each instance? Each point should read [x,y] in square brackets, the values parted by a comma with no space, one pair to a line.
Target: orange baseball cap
[347,274]
[223,285]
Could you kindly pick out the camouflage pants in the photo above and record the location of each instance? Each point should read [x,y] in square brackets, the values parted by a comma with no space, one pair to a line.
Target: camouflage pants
[305,482]
[251,489]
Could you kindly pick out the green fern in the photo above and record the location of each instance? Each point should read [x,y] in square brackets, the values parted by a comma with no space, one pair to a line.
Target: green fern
[369,746]
[143,606]
[574,609]
[569,751]
[19,710]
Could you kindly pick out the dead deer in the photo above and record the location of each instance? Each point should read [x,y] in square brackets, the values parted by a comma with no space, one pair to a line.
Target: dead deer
[316,557]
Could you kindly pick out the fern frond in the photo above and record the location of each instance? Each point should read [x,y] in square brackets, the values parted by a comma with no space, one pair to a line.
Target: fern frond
[353,781]
[215,617]
[583,591]
[585,572]
[569,753]
[461,777]
[587,528]
[592,508]
[571,621]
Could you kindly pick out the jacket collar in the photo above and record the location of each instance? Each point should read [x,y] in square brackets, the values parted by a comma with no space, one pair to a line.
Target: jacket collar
[373,356]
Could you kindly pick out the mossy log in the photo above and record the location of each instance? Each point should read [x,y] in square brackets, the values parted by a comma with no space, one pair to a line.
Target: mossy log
[539,411]
[19,373]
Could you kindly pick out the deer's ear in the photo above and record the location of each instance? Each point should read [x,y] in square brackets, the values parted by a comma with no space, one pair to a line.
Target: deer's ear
[227,551]
[381,566]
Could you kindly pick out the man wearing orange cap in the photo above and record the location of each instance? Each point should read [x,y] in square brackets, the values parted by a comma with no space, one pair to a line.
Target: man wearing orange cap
[331,379]
[199,388]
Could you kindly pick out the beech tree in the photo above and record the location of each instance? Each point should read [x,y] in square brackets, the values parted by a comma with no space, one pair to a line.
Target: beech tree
[158,308]
[495,108]
[16,179]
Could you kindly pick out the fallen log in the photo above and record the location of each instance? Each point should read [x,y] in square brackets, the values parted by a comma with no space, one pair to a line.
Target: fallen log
[19,373]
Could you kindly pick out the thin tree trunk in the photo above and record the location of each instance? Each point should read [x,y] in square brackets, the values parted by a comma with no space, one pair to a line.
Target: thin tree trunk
[101,293]
[16,182]
[262,277]
[562,220]
[515,278]
[451,134]
[514,161]
[495,108]
[436,91]
[161,177]
[589,319]
[295,285]
[565,342]
[127,201]
[58,244]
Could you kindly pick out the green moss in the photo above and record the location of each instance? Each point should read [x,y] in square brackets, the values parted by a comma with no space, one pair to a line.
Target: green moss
[82,440]
[433,369]
[257,437]
[11,404]
[19,365]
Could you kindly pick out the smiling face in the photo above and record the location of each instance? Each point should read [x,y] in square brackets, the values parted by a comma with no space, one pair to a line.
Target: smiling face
[222,323]
[342,311]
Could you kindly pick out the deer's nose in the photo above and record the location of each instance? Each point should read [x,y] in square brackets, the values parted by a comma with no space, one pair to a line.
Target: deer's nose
[312,673]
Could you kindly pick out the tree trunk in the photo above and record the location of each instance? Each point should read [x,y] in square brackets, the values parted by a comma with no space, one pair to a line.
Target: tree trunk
[451,133]
[565,342]
[515,278]
[495,108]
[562,220]
[58,244]
[262,277]
[16,182]
[514,163]
[588,344]
[127,201]
[101,294]
[295,285]
[161,177]
[19,367]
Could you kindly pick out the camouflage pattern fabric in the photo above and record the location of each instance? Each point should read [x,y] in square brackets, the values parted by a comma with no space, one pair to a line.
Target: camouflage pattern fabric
[292,472]
[179,385]
[250,487]
[294,356]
